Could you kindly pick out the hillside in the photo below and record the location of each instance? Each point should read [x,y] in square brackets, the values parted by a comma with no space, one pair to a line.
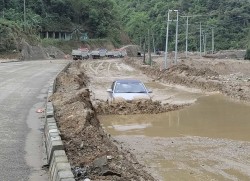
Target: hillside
[114,19]
[229,20]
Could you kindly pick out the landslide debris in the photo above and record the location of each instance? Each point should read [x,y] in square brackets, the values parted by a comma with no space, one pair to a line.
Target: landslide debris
[180,74]
[14,44]
[230,77]
[37,52]
[134,107]
[91,152]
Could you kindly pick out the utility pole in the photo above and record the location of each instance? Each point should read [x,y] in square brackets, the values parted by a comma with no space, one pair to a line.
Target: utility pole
[176,36]
[24,14]
[144,50]
[149,48]
[187,26]
[200,38]
[140,41]
[187,38]
[166,48]
[204,42]
[153,37]
[186,33]
[3,7]
[24,11]
[212,40]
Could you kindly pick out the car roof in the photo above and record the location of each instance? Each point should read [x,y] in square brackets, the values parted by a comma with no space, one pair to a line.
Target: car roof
[127,81]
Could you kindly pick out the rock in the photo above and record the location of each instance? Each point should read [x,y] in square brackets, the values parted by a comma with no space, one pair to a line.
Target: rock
[38,52]
[79,172]
[99,162]
[110,173]
[109,157]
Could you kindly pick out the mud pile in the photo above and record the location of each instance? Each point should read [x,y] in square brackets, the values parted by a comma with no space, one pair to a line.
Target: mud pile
[132,50]
[191,71]
[231,78]
[91,152]
[134,107]
[228,54]
[181,74]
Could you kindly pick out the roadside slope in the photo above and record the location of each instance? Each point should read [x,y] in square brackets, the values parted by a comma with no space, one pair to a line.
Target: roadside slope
[91,152]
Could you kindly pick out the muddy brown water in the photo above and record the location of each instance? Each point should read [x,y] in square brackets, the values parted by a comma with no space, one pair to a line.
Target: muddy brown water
[211,116]
[213,123]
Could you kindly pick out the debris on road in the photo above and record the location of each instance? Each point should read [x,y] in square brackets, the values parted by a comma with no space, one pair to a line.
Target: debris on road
[40,110]
[134,107]
[87,146]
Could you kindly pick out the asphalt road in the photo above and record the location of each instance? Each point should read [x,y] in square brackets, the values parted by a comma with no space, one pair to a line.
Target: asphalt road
[23,89]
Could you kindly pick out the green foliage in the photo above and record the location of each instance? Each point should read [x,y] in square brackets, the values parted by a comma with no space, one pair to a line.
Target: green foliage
[99,18]
[110,18]
[65,47]
[230,20]
[10,35]
[247,56]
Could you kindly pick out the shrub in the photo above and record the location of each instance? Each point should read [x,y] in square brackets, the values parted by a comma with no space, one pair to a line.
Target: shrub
[247,56]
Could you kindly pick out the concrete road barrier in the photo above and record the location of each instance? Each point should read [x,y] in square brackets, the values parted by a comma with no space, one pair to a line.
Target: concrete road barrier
[59,166]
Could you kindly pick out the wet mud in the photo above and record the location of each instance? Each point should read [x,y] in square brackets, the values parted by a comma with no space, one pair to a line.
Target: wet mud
[81,96]
[230,77]
[135,107]
[208,140]
[91,152]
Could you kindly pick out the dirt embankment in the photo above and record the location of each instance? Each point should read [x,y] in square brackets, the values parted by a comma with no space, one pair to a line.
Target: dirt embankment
[135,107]
[230,77]
[91,152]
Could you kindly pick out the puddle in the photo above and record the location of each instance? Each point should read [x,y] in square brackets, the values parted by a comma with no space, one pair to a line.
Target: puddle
[212,116]
[206,141]
[169,94]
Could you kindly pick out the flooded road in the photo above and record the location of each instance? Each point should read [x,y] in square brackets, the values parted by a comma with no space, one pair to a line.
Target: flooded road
[212,116]
[209,140]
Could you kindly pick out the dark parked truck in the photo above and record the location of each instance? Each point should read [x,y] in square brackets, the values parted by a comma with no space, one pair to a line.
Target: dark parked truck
[117,53]
[95,54]
[100,53]
[80,54]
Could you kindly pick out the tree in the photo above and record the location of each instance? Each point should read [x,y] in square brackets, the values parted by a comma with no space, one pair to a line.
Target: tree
[138,25]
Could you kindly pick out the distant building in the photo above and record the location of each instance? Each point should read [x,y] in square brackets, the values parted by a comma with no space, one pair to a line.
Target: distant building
[64,35]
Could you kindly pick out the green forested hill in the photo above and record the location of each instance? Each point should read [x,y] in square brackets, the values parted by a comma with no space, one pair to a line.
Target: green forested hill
[230,20]
[110,18]
[97,17]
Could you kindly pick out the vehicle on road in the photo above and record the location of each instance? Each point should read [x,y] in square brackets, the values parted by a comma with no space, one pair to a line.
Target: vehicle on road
[128,89]
[80,54]
[102,52]
[114,54]
[95,54]
[117,53]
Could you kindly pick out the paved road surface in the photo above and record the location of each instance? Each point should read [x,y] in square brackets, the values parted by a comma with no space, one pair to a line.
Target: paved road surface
[23,88]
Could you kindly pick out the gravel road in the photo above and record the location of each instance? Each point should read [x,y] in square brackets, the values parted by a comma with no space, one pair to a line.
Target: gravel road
[23,88]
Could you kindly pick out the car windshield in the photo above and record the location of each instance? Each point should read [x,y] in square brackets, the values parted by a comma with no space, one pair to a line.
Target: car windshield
[129,87]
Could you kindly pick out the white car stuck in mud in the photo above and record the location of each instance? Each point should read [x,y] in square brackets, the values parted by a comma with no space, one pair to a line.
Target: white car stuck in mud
[128,90]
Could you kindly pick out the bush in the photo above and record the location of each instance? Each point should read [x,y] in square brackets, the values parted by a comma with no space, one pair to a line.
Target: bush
[247,56]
